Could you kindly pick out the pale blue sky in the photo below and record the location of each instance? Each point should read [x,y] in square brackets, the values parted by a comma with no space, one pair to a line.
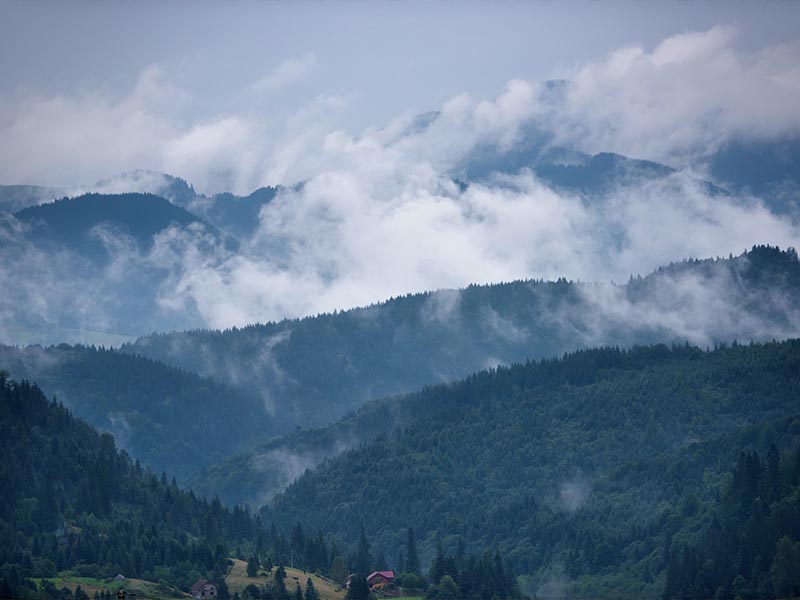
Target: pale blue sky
[385,57]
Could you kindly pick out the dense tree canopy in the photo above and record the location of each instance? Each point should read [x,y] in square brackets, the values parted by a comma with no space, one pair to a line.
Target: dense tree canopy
[593,462]
[169,419]
[319,368]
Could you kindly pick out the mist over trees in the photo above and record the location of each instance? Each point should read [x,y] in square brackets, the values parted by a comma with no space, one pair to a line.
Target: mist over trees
[586,461]
[70,502]
[327,364]
[169,419]
[538,342]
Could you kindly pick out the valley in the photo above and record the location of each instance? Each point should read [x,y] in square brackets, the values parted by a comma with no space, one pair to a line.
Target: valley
[399,300]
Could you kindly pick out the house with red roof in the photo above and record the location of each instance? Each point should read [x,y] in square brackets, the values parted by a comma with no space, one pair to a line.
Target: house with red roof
[204,589]
[377,580]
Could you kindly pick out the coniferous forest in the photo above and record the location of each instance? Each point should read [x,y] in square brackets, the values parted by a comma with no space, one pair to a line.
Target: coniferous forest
[71,502]
[411,300]
[600,463]
[653,471]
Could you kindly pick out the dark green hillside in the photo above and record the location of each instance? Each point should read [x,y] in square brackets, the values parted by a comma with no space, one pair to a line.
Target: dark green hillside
[254,476]
[238,215]
[70,501]
[171,420]
[767,169]
[751,546]
[75,509]
[71,220]
[571,467]
[320,368]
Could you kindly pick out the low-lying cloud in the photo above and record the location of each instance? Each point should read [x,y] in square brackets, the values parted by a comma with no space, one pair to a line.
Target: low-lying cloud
[290,72]
[347,240]
[674,102]
[380,214]
[688,95]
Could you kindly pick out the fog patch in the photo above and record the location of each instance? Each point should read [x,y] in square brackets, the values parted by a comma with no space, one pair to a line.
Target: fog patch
[554,584]
[575,493]
[492,362]
[120,428]
[442,306]
[701,308]
[280,467]
[501,327]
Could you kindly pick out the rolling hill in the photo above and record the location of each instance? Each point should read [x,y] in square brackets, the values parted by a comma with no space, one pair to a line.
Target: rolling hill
[590,467]
[98,264]
[78,223]
[72,505]
[317,370]
[169,419]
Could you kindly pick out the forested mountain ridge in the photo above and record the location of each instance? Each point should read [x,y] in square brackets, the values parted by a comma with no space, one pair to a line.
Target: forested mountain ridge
[138,287]
[125,253]
[70,500]
[236,215]
[118,251]
[270,378]
[74,509]
[317,369]
[75,221]
[170,419]
[571,467]
[14,198]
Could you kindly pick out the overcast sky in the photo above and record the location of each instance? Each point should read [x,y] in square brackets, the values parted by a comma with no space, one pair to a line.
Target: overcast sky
[351,65]
[236,95]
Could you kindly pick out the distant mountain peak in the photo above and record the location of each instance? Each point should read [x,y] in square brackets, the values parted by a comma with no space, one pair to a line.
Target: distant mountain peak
[172,188]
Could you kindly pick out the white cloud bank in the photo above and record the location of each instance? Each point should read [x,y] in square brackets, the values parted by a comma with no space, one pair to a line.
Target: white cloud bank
[691,93]
[379,214]
[290,72]
[680,99]
[348,240]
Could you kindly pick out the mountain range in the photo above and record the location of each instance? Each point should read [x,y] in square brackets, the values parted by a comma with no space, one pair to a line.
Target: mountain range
[318,369]
[591,464]
[590,437]
[147,248]
[310,382]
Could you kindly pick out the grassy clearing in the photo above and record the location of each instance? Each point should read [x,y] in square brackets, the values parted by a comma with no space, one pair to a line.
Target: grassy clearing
[90,585]
[237,579]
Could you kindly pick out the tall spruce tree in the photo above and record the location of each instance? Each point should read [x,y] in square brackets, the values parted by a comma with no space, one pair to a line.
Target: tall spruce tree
[339,570]
[358,590]
[280,586]
[311,592]
[363,562]
[412,558]
[252,566]
[381,564]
